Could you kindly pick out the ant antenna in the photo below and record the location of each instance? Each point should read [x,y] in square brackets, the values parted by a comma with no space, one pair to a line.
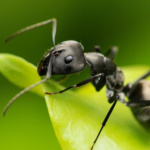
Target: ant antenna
[21,93]
[48,75]
[54,21]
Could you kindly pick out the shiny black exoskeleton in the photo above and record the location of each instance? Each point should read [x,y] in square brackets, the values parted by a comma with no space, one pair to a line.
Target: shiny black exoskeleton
[68,57]
[138,94]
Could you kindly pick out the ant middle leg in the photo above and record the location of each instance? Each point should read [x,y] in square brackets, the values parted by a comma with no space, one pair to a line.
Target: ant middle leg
[113,98]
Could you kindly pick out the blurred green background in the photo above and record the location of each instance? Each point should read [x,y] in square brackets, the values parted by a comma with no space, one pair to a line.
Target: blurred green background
[105,23]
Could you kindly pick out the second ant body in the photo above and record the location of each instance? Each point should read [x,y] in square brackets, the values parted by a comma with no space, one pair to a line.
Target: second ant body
[68,57]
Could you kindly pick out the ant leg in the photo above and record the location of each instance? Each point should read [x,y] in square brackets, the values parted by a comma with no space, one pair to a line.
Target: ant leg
[111,52]
[112,96]
[142,77]
[105,120]
[96,48]
[79,84]
[131,87]
[54,21]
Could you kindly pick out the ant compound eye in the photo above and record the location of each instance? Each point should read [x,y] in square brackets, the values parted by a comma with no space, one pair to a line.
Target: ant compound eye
[68,59]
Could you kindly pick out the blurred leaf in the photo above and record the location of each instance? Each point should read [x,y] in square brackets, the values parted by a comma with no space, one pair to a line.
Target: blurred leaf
[77,116]
[19,72]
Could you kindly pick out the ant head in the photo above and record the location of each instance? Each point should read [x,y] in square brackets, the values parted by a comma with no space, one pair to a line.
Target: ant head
[67,57]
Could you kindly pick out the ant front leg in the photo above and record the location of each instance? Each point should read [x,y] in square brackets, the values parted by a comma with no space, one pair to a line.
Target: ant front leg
[79,84]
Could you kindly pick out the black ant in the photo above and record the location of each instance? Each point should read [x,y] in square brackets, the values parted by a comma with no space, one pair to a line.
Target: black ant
[68,57]
[138,94]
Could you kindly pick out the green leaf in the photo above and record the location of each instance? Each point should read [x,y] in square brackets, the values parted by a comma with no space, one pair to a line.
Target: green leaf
[19,72]
[77,115]
[77,118]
